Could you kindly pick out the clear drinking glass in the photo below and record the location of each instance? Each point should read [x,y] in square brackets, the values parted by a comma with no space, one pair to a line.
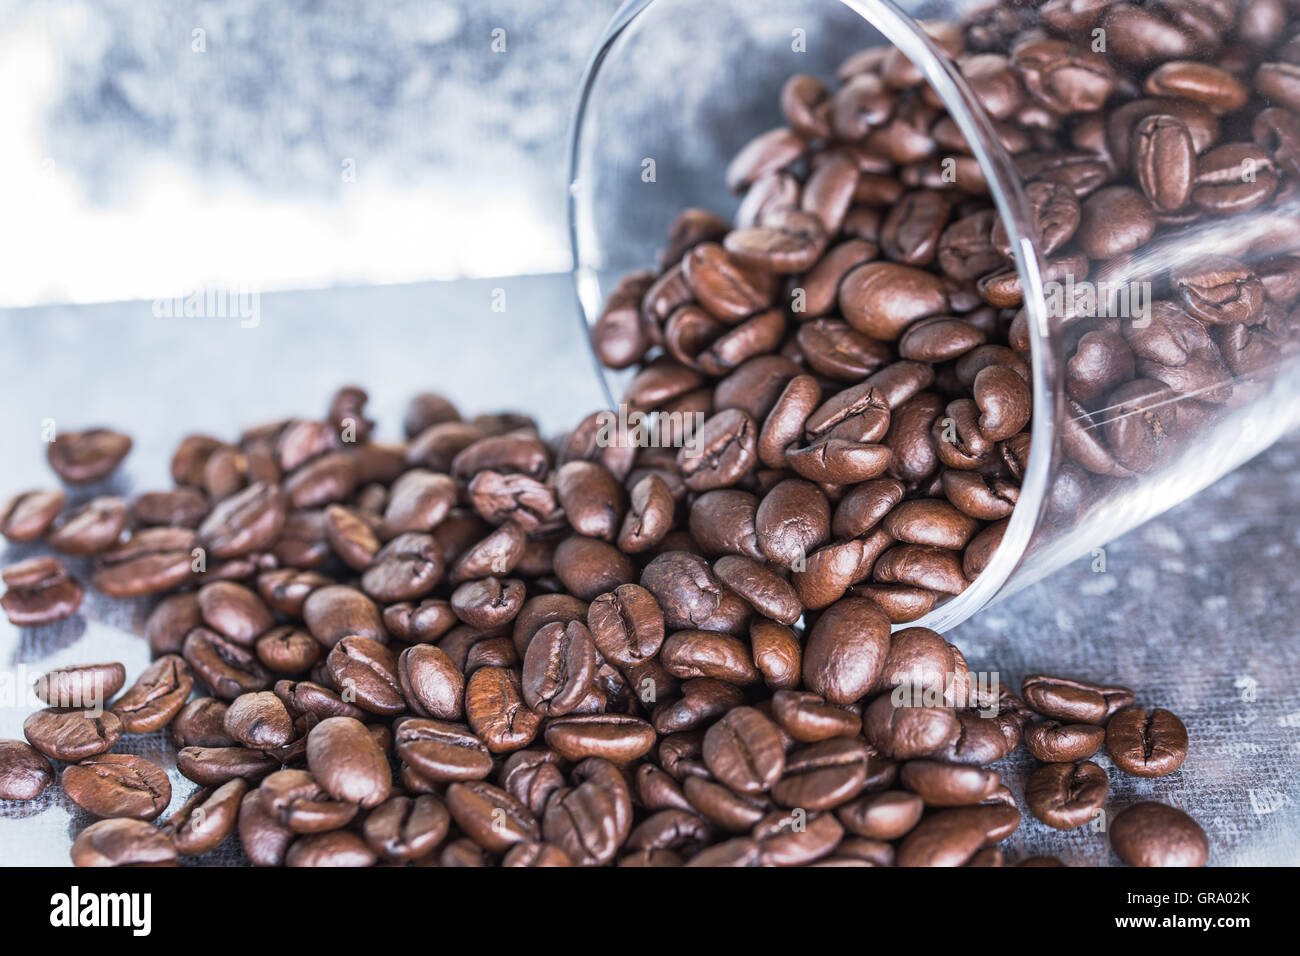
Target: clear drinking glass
[678,86]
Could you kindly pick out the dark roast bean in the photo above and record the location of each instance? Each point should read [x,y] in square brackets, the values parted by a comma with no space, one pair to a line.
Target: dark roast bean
[202,723]
[24,772]
[823,775]
[207,818]
[558,668]
[1153,834]
[365,672]
[91,528]
[614,737]
[1066,796]
[224,667]
[29,515]
[495,708]
[344,757]
[431,683]
[405,828]
[118,785]
[1073,701]
[1054,742]
[157,694]
[122,842]
[1146,743]
[39,591]
[81,457]
[259,721]
[885,815]
[213,766]
[151,561]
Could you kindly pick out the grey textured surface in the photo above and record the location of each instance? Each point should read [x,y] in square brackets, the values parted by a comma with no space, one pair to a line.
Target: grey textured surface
[1196,611]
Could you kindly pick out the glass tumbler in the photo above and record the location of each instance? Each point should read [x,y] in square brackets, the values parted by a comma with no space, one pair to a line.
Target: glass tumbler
[1125,180]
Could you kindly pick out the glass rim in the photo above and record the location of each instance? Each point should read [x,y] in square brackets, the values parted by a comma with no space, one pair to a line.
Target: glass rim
[1046,375]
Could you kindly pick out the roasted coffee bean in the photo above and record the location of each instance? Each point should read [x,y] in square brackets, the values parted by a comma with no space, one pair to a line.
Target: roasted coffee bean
[787,241]
[202,723]
[882,299]
[298,801]
[367,672]
[259,721]
[885,815]
[1054,742]
[29,515]
[702,701]
[224,667]
[72,735]
[1140,424]
[1146,743]
[39,591]
[426,410]
[614,737]
[247,521]
[491,817]
[495,709]
[234,611]
[288,650]
[846,651]
[406,568]
[81,457]
[263,838]
[91,528]
[909,731]
[441,751]
[1073,701]
[744,751]
[723,522]
[589,567]
[691,596]
[207,818]
[1154,834]
[213,766]
[947,838]
[559,667]
[24,772]
[822,776]
[942,784]
[431,683]
[769,593]
[1218,290]
[122,842]
[344,757]
[696,653]
[337,848]
[402,828]
[334,612]
[793,838]
[180,508]
[1066,796]
[118,785]
[626,625]
[157,694]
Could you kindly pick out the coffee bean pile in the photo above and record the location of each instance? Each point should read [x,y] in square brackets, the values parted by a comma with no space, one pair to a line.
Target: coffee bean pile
[478,648]
[860,326]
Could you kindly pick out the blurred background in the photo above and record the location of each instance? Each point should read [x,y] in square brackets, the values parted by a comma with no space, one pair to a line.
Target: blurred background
[154,147]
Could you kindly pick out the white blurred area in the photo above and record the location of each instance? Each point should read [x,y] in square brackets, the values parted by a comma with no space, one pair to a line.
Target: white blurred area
[445,188]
